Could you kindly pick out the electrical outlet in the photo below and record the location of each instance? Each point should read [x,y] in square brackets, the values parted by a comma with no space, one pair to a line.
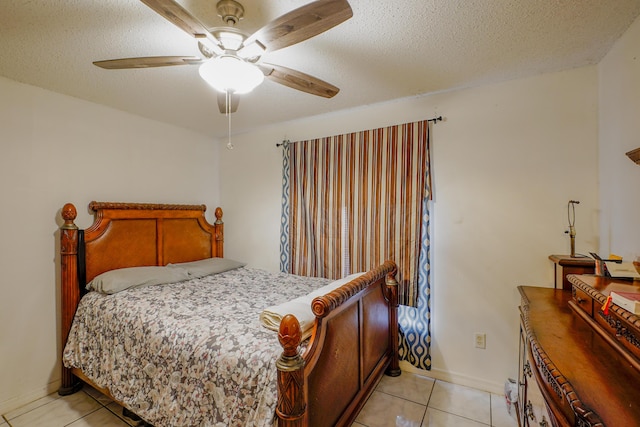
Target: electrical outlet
[481,340]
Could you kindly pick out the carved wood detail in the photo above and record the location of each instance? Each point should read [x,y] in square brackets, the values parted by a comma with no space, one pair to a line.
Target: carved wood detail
[624,326]
[632,319]
[322,306]
[392,298]
[292,400]
[69,286]
[219,230]
[621,330]
[98,206]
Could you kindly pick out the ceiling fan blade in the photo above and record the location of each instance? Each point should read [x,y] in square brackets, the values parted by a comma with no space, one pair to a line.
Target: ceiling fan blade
[222,102]
[301,24]
[147,62]
[177,15]
[298,80]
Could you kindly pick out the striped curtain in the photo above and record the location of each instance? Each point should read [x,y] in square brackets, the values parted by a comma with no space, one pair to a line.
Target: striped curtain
[353,201]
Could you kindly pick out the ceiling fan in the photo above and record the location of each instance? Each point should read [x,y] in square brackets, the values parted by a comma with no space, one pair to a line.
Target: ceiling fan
[228,50]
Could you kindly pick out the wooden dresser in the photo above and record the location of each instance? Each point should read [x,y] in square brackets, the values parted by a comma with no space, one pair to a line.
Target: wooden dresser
[586,364]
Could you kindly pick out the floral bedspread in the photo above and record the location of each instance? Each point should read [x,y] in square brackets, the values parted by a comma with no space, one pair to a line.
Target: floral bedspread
[187,354]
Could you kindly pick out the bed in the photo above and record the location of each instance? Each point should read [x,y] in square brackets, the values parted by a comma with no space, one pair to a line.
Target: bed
[322,380]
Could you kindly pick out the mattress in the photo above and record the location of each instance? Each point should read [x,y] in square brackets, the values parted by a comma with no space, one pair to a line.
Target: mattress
[191,353]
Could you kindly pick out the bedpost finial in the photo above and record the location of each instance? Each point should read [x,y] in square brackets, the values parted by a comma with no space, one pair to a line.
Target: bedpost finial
[290,335]
[292,399]
[218,215]
[69,214]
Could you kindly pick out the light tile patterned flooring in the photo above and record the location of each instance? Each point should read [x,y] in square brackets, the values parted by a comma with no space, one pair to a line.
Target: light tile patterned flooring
[405,401]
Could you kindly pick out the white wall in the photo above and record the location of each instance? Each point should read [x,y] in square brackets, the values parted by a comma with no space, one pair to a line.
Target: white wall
[506,161]
[619,83]
[55,149]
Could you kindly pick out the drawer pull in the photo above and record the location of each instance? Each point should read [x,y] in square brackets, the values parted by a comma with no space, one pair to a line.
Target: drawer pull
[580,300]
[528,411]
[544,422]
[527,369]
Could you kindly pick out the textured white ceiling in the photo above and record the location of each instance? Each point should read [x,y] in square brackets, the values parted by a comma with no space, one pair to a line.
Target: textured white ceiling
[389,49]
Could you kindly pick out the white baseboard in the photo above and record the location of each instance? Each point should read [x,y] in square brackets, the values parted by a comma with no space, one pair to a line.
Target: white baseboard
[450,377]
[18,401]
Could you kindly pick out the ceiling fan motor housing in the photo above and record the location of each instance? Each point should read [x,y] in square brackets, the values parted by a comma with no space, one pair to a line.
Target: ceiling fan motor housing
[230,11]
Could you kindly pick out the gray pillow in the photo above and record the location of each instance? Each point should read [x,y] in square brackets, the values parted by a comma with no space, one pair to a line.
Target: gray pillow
[208,266]
[118,280]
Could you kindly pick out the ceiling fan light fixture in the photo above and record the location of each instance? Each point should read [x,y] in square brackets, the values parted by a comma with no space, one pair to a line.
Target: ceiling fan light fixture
[229,73]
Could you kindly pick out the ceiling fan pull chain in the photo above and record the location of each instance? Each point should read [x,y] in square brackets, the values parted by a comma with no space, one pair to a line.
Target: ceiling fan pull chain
[228,102]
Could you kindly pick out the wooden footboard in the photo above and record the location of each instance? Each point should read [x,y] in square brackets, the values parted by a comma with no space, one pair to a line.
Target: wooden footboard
[355,339]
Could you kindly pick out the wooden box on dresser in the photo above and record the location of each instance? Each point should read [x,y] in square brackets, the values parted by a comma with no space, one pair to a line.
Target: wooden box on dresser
[563,265]
[585,362]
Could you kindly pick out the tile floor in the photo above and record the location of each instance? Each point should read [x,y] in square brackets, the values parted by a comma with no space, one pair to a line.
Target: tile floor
[405,401]
[417,401]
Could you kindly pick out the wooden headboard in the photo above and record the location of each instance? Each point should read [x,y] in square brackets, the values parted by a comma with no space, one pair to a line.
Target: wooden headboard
[136,234]
[130,235]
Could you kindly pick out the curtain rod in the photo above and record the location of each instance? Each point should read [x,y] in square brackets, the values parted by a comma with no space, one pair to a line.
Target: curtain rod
[286,142]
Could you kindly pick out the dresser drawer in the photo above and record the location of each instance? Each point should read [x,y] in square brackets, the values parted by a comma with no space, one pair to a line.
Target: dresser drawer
[583,300]
[617,325]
